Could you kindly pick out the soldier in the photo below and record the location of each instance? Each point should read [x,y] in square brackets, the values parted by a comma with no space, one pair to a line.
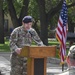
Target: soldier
[20,37]
[71,57]
[70,62]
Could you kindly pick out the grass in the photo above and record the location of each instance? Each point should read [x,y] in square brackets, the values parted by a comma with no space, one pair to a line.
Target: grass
[5,47]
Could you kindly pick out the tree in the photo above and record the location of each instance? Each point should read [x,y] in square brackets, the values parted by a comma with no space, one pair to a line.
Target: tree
[1,22]
[16,20]
[33,11]
[45,18]
[46,13]
[71,17]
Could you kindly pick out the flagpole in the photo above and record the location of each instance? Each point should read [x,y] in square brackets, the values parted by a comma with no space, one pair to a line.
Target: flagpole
[62,67]
[61,32]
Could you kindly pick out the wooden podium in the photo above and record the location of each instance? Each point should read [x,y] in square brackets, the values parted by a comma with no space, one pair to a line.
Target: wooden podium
[37,58]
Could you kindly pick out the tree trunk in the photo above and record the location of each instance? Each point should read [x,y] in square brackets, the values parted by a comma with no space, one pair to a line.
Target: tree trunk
[1,23]
[12,13]
[24,10]
[43,22]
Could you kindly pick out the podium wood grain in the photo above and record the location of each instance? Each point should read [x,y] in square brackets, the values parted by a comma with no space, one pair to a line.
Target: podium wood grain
[37,58]
[41,51]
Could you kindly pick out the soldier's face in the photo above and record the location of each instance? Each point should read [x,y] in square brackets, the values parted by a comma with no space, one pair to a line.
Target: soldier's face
[27,26]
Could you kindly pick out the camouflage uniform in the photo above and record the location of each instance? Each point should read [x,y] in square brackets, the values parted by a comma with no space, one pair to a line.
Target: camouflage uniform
[18,39]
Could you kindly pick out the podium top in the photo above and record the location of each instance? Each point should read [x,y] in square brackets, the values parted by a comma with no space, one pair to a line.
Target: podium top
[38,51]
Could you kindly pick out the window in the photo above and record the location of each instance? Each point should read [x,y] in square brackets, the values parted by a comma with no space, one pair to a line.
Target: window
[6,25]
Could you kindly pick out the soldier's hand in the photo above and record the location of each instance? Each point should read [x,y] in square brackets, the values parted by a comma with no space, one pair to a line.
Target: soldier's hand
[18,50]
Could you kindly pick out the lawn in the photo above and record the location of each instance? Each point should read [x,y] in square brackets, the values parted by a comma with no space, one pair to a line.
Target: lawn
[5,47]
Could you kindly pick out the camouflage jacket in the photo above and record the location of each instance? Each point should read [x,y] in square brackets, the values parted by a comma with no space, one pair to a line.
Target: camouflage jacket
[20,38]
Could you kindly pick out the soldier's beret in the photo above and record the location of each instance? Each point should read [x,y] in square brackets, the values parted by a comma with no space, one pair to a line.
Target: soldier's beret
[27,19]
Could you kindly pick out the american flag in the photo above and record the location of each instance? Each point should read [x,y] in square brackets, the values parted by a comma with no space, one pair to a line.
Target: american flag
[61,31]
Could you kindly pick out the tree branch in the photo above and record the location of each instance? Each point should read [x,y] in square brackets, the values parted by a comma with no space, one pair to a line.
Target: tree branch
[71,5]
[12,13]
[24,9]
[53,11]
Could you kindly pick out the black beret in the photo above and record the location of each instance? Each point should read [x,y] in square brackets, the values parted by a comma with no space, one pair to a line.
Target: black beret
[27,19]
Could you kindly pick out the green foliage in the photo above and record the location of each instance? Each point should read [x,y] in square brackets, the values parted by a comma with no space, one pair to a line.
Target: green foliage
[33,9]
[49,4]
[5,7]
[18,5]
[71,14]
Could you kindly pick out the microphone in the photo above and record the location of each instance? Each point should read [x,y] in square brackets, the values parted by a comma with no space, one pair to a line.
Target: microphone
[30,32]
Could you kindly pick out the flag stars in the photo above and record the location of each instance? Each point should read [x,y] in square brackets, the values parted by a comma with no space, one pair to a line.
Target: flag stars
[63,13]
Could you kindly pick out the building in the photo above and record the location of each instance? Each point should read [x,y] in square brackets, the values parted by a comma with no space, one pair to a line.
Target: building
[8,25]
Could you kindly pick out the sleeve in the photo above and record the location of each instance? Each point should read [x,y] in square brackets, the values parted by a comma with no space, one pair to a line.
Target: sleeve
[13,41]
[37,39]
